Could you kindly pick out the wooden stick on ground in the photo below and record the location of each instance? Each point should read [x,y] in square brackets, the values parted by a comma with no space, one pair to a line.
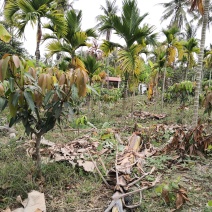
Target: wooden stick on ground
[100,174]
[134,182]
[119,196]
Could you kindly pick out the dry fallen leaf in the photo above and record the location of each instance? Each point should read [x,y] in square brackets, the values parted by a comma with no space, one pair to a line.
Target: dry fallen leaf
[165,195]
[181,197]
[34,203]
[179,201]
[87,165]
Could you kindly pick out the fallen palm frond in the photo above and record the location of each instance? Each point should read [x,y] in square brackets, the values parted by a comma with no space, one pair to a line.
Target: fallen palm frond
[147,115]
[121,176]
[189,142]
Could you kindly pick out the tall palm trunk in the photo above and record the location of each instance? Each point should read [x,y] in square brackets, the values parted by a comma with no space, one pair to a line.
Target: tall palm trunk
[108,35]
[37,52]
[200,63]
[126,79]
[187,69]
[163,88]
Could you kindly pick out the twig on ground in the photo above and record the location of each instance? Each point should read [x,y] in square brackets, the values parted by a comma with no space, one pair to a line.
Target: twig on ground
[134,182]
[103,165]
[87,210]
[133,206]
[119,196]
[116,162]
[100,174]
[118,138]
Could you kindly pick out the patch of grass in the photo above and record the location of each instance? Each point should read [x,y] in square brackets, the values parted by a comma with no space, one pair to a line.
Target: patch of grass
[71,189]
[16,176]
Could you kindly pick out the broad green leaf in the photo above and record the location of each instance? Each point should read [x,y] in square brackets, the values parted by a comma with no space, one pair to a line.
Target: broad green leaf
[4,34]
[209,203]
[12,108]
[106,136]
[29,99]
[28,75]
[11,84]
[3,103]
[1,74]
[48,96]
[150,63]
[57,109]
[5,67]
[92,89]
[15,99]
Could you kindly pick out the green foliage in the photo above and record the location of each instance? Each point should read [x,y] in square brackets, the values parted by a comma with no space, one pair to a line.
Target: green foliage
[82,121]
[180,91]
[168,191]
[14,46]
[207,85]
[159,162]
[110,95]
[36,98]
[4,34]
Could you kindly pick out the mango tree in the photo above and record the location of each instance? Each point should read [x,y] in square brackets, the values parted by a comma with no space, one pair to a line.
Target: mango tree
[37,97]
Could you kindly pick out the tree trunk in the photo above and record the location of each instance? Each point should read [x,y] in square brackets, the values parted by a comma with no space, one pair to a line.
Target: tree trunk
[200,63]
[163,88]
[108,35]
[186,73]
[38,156]
[39,35]
[210,78]
[126,85]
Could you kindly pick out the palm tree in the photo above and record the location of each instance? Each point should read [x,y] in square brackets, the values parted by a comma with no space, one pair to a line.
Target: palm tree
[91,65]
[190,31]
[72,41]
[199,19]
[198,3]
[128,27]
[190,47]
[173,50]
[208,62]
[177,11]
[19,13]
[110,9]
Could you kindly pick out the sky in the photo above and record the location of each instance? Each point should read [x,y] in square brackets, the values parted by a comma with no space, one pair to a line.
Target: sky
[91,8]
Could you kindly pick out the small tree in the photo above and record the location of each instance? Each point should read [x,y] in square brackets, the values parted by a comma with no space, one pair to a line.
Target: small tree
[37,97]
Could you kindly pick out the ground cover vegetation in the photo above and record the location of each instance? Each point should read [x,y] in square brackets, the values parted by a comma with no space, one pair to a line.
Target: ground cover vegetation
[72,141]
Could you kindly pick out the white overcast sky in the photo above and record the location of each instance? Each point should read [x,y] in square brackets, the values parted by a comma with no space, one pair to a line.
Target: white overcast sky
[91,8]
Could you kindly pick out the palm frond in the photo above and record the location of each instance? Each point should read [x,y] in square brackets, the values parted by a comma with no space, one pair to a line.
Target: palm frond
[107,47]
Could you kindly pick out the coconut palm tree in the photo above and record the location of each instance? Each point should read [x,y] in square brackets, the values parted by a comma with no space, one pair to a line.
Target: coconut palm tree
[128,27]
[176,10]
[199,19]
[108,10]
[21,12]
[190,31]
[205,12]
[72,41]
